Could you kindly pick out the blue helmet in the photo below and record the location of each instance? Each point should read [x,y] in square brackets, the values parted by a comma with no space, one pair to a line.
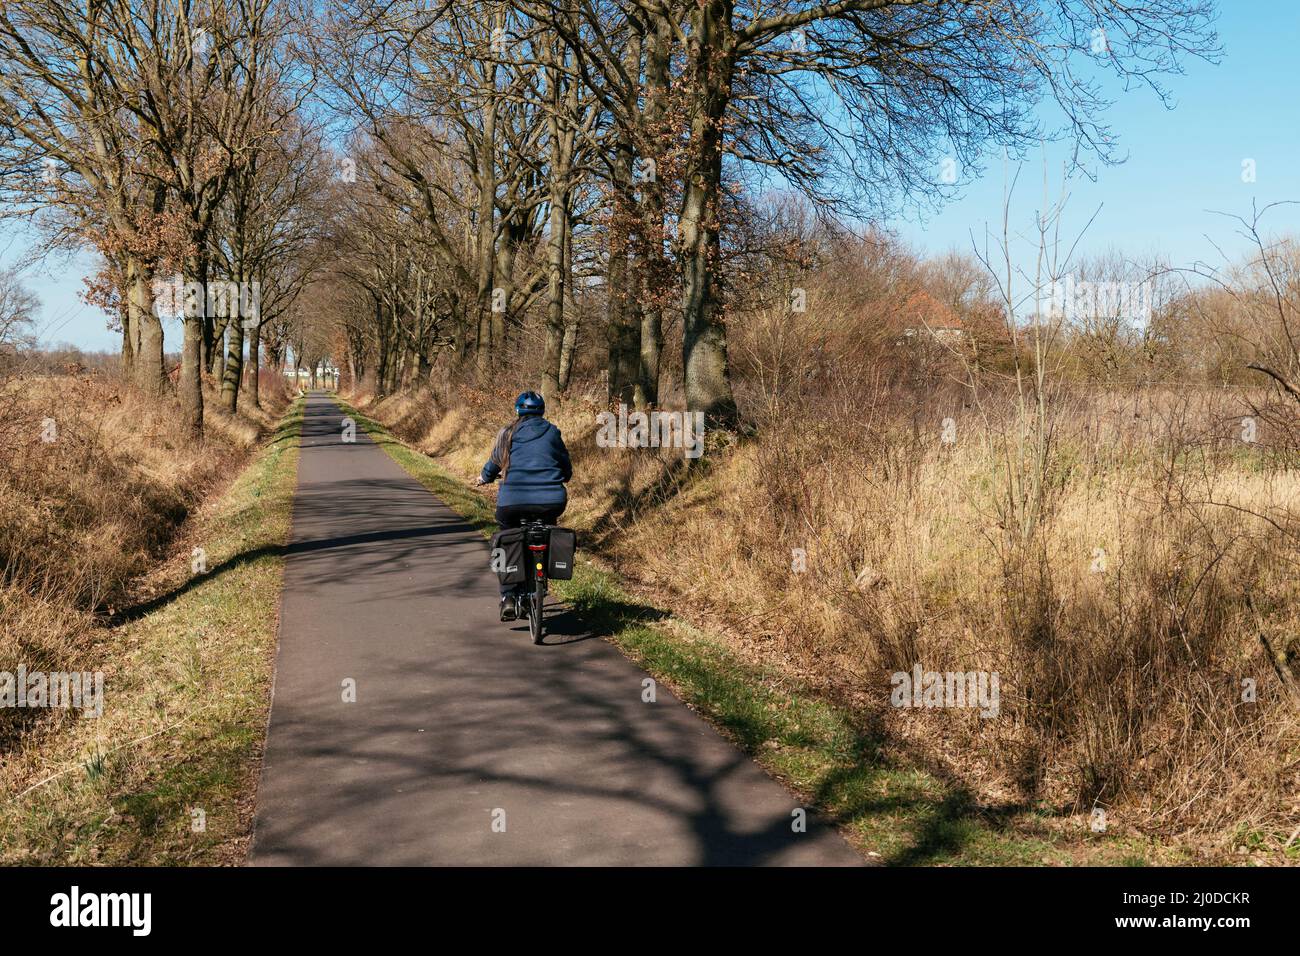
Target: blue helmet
[530,403]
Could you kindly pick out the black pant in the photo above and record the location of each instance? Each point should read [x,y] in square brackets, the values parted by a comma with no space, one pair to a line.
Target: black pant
[512,516]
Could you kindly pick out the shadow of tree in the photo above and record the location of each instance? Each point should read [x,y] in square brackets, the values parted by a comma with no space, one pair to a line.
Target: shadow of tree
[675,476]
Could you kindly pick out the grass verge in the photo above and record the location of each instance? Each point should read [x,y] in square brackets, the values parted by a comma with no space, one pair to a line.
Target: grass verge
[891,809]
[168,774]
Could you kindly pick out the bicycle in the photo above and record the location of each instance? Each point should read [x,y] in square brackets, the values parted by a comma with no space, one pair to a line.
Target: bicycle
[537,538]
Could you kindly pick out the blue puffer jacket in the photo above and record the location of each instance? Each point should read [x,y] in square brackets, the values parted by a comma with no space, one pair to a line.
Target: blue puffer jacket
[539,465]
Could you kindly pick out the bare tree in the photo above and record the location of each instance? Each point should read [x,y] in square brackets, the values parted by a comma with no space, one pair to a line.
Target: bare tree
[65,81]
[17,310]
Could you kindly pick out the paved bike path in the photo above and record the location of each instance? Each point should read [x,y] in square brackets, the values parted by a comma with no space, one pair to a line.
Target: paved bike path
[460,725]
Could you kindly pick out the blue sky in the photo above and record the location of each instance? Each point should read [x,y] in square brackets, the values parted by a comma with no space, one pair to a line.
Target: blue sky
[1182,165]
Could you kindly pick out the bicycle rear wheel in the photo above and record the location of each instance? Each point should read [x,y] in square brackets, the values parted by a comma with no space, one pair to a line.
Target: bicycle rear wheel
[535,626]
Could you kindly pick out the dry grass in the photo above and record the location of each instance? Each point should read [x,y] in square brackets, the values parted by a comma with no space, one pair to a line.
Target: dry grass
[186,695]
[1107,582]
[85,514]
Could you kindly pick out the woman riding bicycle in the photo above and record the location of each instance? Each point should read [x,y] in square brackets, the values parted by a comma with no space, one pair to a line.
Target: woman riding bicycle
[530,458]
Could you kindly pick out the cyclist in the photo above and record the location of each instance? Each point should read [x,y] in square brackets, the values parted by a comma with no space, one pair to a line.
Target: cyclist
[530,459]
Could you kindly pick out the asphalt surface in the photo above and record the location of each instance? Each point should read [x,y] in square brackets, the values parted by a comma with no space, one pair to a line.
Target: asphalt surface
[467,744]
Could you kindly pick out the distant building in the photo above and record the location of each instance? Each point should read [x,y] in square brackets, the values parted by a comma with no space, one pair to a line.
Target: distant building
[929,321]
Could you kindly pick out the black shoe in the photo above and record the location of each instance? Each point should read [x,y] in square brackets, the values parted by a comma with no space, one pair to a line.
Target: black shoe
[509,609]
[521,606]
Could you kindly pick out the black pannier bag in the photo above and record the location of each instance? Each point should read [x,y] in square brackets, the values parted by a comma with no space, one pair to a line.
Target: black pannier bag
[559,556]
[508,555]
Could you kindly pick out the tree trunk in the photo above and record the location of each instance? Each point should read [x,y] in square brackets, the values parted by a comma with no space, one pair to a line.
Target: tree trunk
[551,361]
[624,326]
[652,336]
[146,329]
[381,350]
[704,343]
[255,363]
[566,351]
[215,358]
[486,235]
[234,369]
[215,368]
[410,371]
[571,323]
[618,311]
[504,288]
[621,344]
[191,380]
[210,349]
[191,383]
[128,335]
[655,269]
[127,353]
[557,248]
